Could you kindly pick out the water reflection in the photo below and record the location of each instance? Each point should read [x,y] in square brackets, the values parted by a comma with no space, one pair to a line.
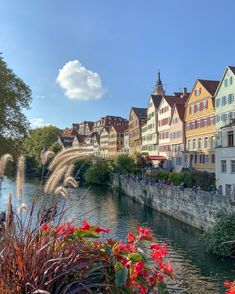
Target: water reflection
[196,271]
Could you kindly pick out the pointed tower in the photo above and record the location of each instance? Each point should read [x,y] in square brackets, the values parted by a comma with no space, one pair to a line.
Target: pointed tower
[159,86]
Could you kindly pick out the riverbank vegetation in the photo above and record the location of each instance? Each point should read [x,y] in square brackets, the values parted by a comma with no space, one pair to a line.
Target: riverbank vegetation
[221,237]
[47,255]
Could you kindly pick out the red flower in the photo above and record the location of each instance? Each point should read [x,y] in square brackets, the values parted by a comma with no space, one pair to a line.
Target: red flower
[137,269]
[85,226]
[130,238]
[98,230]
[44,227]
[231,286]
[144,233]
[167,269]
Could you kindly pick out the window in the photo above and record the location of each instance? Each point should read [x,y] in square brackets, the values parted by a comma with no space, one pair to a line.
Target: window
[217,102]
[230,98]
[230,80]
[212,158]
[230,139]
[199,143]
[189,144]
[207,159]
[197,91]
[223,101]
[194,143]
[223,166]
[212,142]
[226,82]
[206,142]
[232,166]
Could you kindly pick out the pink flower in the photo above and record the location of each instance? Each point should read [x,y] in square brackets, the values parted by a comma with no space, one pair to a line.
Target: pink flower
[144,233]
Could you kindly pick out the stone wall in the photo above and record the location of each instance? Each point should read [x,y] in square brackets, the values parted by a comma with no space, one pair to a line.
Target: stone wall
[196,209]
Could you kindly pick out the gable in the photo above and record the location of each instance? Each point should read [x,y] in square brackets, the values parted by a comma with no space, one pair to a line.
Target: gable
[226,75]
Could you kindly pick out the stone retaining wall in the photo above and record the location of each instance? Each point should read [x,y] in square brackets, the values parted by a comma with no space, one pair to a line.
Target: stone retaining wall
[196,209]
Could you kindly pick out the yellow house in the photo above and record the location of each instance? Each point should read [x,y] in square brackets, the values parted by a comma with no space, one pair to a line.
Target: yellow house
[200,126]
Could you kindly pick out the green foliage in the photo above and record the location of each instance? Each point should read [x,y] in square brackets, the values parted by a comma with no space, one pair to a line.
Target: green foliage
[188,179]
[55,147]
[223,231]
[40,138]
[176,178]
[81,167]
[162,175]
[204,179]
[124,163]
[98,173]
[140,160]
[15,96]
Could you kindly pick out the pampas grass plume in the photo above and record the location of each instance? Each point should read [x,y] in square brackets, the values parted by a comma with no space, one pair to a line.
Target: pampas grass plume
[23,207]
[3,163]
[71,181]
[45,156]
[20,177]
[61,191]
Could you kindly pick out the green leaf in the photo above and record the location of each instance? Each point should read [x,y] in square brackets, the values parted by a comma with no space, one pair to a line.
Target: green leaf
[162,288]
[121,274]
[134,257]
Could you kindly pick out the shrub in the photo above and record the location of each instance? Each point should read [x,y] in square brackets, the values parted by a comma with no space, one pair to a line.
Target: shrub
[69,259]
[162,175]
[124,163]
[176,178]
[188,179]
[98,173]
[81,166]
[204,179]
[223,231]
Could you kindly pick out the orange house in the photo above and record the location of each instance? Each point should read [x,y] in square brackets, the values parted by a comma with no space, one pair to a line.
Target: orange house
[200,126]
[116,139]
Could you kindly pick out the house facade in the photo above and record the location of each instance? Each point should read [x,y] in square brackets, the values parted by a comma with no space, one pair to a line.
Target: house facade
[225,101]
[225,161]
[108,121]
[164,117]
[200,126]
[116,139]
[177,137]
[137,118]
[104,142]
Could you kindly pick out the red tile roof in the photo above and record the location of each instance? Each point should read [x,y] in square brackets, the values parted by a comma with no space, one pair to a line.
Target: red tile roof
[209,85]
[119,129]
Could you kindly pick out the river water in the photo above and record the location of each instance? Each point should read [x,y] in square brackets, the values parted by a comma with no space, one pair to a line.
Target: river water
[196,271]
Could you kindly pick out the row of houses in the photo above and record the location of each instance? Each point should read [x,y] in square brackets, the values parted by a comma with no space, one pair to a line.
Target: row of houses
[185,130]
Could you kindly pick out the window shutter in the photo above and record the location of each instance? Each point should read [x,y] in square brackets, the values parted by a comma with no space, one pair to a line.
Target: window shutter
[200,106]
[206,104]
[195,108]
[208,121]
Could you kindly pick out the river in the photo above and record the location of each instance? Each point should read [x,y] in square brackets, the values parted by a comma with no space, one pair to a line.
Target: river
[196,271]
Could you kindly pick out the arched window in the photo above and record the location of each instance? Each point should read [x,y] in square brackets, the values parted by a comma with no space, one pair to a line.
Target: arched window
[194,143]
[189,144]
[212,142]
[199,143]
[206,142]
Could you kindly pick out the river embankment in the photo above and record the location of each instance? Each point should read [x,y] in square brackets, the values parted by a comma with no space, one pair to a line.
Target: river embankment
[199,209]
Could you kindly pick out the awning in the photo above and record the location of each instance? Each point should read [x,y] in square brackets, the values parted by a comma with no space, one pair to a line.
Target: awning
[156,157]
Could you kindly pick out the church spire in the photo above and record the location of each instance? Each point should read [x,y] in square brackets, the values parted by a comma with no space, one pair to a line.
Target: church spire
[159,86]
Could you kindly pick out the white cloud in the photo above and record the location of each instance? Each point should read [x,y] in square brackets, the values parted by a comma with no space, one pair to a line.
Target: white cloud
[37,123]
[79,83]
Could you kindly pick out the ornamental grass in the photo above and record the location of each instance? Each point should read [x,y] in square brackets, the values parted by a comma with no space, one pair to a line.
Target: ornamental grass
[40,253]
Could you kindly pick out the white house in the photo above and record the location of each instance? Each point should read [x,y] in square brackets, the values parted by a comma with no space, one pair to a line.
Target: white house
[225,160]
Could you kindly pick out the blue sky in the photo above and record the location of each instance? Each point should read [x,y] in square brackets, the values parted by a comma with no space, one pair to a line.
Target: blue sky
[124,42]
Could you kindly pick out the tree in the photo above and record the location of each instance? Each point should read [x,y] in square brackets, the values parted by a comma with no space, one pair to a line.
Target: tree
[15,96]
[41,138]
[124,163]
[98,173]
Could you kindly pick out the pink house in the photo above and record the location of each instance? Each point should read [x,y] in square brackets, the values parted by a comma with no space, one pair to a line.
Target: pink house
[177,136]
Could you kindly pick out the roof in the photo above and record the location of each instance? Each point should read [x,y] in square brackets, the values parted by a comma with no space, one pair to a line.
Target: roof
[171,100]
[119,129]
[141,113]
[210,86]
[232,68]
[156,100]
